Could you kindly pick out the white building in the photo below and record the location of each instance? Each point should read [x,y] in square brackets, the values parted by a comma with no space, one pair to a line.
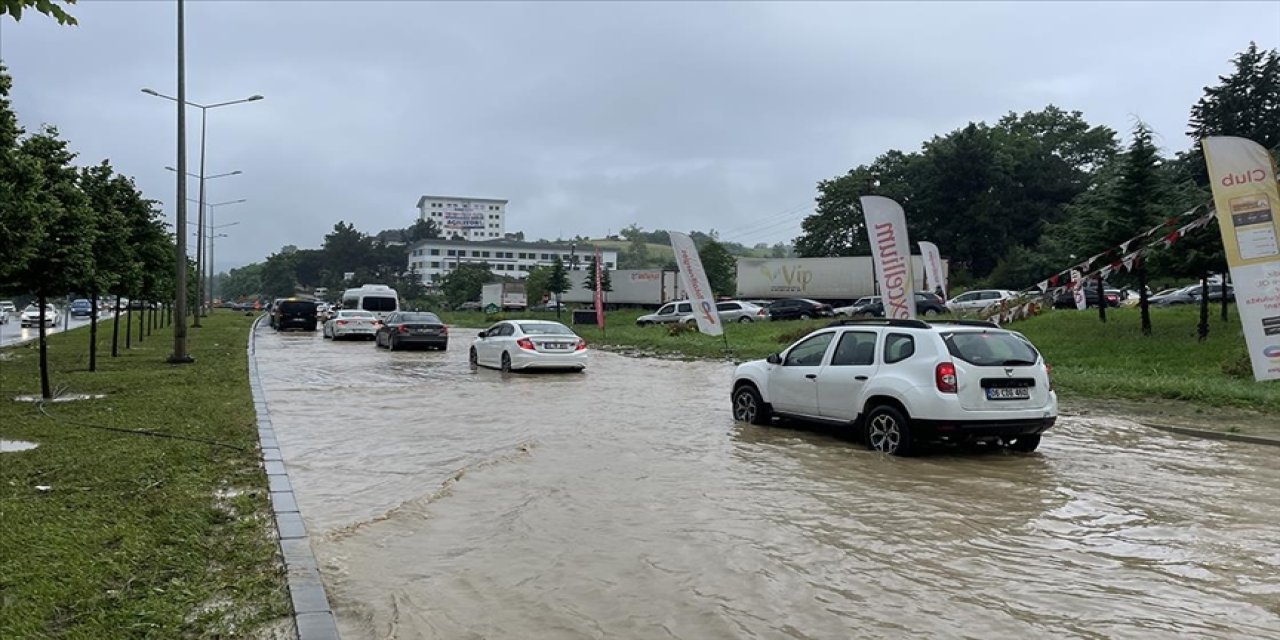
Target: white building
[467,218]
[433,258]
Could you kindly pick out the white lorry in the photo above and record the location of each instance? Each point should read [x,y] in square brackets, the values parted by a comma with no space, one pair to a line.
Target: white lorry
[503,296]
[631,287]
[816,278]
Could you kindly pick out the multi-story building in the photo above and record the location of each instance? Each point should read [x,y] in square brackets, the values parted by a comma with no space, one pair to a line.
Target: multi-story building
[433,258]
[466,218]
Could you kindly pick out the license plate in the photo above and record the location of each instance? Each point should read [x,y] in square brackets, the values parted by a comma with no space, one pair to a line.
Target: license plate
[422,332]
[556,345]
[1013,393]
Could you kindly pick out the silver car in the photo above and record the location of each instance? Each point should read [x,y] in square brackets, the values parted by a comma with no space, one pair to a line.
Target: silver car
[668,313]
[740,311]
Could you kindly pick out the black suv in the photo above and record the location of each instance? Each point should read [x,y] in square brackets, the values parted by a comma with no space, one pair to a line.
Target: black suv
[294,314]
[802,308]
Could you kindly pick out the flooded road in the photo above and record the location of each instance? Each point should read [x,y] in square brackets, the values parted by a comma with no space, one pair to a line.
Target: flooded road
[625,502]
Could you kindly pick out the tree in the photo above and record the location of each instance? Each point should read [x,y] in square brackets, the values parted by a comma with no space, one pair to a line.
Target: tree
[720,266]
[112,252]
[1137,204]
[65,250]
[21,225]
[535,284]
[1244,104]
[465,281]
[558,281]
[421,230]
[279,275]
[589,283]
[14,8]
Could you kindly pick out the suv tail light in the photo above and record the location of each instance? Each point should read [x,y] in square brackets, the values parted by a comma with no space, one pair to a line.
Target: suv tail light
[1048,375]
[526,344]
[944,376]
[582,344]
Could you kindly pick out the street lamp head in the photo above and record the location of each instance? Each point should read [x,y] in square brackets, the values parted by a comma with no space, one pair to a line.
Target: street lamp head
[170,168]
[150,92]
[255,97]
[235,173]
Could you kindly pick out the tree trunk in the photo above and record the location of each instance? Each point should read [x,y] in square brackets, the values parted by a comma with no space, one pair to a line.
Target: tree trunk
[142,321]
[1143,306]
[93,332]
[44,353]
[115,331]
[1202,330]
[1102,301]
[128,326]
[1226,279]
[151,319]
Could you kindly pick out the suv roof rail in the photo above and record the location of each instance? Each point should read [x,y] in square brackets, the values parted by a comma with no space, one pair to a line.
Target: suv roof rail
[970,323]
[888,322]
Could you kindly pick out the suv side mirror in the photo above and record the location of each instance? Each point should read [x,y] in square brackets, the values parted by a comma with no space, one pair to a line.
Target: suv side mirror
[774,359]
[481,334]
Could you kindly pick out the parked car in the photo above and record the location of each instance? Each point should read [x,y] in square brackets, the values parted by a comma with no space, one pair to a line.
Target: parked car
[901,383]
[550,305]
[978,299]
[529,344]
[798,308]
[350,323]
[856,306]
[294,313]
[80,308]
[667,313]
[7,308]
[926,304]
[739,311]
[1066,299]
[31,316]
[412,329]
[470,305]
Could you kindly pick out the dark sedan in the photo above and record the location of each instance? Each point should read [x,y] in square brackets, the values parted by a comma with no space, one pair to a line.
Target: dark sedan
[404,329]
[1067,300]
[927,304]
[801,308]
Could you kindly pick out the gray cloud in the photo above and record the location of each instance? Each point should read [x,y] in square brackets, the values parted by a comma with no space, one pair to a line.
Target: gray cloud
[589,116]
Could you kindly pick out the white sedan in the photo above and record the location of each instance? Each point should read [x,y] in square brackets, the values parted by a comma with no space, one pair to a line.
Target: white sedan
[351,323]
[31,315]
[529,344]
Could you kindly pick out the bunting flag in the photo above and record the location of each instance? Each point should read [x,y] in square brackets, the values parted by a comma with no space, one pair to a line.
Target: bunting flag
[1043,286]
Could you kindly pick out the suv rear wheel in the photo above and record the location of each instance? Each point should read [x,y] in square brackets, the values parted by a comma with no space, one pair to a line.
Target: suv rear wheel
[888,431]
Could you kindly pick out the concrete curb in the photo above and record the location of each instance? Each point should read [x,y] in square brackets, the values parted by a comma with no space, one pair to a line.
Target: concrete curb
[312,616]
[1215,435]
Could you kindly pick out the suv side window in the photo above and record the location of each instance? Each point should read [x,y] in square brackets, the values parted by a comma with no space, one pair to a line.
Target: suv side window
[898,347]
[667,309]
[855,348]
[684,307]
[810,352]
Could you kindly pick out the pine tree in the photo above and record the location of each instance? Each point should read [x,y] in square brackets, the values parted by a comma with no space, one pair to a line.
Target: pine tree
[1136,205]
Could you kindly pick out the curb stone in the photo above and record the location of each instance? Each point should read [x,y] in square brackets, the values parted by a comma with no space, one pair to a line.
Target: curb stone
[312,616]
[1215,435]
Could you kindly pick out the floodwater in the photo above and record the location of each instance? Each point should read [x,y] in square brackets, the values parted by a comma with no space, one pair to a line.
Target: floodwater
[625,502]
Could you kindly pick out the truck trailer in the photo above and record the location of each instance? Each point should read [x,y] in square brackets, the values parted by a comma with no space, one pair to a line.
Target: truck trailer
[503,296]
[631,287]
[825,279]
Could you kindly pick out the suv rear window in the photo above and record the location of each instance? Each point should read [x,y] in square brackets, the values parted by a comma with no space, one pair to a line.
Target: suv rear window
[297,306]
[376,303]
[987,349]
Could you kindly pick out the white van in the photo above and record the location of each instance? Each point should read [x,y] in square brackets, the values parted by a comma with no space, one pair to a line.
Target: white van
[378,298]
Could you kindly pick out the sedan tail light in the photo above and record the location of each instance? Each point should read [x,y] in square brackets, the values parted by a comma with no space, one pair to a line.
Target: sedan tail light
[945,377]
[582,344]
[342,323]
[403,328]
[526,344]
[444,329]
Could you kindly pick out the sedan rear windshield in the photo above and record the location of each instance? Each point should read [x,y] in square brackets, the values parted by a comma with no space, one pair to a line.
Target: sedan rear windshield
[420,317]
[355,314]
[540,329]
[987,349]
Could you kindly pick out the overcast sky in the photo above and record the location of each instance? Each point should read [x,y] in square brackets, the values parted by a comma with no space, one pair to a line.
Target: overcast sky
[586,116]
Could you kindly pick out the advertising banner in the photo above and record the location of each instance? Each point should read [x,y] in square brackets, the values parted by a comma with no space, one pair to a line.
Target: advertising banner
[1077,290]
[1243,177]
[891,250]
[694,281]
[933,267]
[598,298]
[464,215]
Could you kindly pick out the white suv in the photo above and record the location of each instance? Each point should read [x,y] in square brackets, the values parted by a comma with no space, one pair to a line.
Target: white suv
[901,383]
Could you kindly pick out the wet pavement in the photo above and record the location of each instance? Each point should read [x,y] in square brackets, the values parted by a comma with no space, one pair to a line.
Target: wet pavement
[13,333]
[625,502]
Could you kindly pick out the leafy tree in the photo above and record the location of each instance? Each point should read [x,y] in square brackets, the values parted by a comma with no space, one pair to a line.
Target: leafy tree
[279,275]
[1245,103]
[21,224]
[422,230]
[65,251]
[721,268]
[535,284]
[1137,204]
[113,255]
[558,281]
[464,282]
[15,8]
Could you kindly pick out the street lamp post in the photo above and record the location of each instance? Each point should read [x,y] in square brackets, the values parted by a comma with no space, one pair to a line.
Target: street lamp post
[204,114]
[200,259]
[211,228]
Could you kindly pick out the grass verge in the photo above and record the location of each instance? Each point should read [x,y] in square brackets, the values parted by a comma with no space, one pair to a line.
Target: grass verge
[112,535]
[1090,359]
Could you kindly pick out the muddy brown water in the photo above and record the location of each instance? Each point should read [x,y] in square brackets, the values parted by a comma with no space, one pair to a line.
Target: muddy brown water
[625,502]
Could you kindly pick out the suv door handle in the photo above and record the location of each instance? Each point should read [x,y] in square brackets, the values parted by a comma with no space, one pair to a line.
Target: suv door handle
[811,376]
[859,377]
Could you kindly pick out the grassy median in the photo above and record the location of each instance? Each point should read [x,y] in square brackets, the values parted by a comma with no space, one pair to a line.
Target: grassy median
[106,534]
[1089,358]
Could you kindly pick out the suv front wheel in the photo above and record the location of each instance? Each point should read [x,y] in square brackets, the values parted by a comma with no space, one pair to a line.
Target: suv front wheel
[888,431]
[748,406]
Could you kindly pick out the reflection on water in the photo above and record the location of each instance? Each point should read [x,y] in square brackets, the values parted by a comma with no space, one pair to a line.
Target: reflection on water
[626,503]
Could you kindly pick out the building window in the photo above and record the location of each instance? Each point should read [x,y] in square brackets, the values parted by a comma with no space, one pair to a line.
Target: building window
[451,252]
[435,265]
[435,252]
